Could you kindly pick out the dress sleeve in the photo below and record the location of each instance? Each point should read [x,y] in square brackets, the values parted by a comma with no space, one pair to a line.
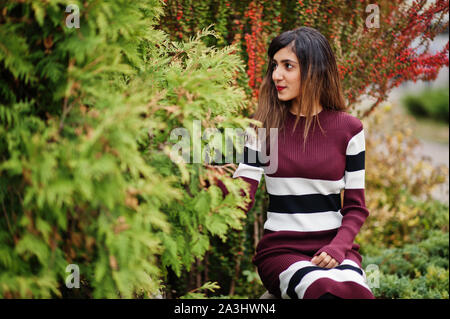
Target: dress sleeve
[354,209]
[250,169]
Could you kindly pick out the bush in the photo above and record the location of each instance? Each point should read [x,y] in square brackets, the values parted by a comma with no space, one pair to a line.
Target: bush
[415,270]
[431,103]
[86,172]
[407,232]
[398,185]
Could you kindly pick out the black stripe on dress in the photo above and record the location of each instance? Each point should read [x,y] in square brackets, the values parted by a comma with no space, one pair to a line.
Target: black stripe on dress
[251,157]
[355,162]
[299,274]
[311,203]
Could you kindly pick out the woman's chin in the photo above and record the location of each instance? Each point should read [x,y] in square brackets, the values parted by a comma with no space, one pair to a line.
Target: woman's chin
[284,98]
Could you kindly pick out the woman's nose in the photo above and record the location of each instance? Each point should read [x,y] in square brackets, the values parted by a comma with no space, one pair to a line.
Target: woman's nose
[277,75]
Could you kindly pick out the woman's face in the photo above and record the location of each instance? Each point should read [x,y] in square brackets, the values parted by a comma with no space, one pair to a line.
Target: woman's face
[286,73]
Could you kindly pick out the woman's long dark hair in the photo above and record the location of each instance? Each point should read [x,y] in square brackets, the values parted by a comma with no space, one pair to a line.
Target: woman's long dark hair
[319,80]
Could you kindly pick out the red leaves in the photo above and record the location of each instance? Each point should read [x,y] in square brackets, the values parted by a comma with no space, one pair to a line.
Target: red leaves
[256,46]
[375,58]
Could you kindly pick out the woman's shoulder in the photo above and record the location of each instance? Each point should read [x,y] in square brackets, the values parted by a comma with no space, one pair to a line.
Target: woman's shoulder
[347,121]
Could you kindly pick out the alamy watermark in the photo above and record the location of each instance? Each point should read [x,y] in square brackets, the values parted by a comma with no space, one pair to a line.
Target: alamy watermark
[372,274]
[73,19]
[212,151]
[73,280]
[373,19]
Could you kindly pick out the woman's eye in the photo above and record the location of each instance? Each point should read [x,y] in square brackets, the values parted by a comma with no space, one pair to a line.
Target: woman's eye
[287,64]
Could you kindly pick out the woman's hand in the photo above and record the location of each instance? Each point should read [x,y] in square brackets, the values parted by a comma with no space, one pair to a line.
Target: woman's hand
[324,260]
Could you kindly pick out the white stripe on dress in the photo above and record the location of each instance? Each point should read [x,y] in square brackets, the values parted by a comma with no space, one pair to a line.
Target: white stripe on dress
[249,171]
[303,222]
[252,140]
[302,186]
[357,144]
[339,275]
[355,180]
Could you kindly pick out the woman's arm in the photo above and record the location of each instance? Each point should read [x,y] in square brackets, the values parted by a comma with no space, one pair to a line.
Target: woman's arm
[354,210]
[250,170]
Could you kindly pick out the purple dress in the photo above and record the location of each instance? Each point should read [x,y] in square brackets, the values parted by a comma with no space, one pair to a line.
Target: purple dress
[306,214]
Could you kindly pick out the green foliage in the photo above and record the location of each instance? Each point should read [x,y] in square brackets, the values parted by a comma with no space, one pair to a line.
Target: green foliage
[413,259]
[228,262]
[406,234]
[86,172]
[415,270]
[430,103]
[400,186]
[197,294]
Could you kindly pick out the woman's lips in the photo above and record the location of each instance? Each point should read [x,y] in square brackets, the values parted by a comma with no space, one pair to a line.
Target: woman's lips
[279,88]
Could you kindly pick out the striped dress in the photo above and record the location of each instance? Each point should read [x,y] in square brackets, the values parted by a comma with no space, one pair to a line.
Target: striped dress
[306,214]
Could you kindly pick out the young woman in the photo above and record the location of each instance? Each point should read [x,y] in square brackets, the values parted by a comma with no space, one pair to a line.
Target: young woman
[307,249]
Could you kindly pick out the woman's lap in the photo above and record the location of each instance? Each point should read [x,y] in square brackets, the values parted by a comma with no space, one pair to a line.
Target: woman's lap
[292,275]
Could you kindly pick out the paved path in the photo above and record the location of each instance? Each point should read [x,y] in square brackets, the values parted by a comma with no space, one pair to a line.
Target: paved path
[437,151]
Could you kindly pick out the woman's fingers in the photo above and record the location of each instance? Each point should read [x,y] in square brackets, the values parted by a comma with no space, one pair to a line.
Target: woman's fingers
[324,260]
[333,263]
[318,259]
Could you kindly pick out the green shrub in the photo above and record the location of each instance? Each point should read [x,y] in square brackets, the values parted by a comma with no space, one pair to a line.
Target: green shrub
[433,285]
[414,271]
[86,173]
[399,185]
[408,260]
[431,103]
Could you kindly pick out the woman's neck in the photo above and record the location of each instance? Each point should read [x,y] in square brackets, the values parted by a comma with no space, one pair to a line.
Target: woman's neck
[294,110]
